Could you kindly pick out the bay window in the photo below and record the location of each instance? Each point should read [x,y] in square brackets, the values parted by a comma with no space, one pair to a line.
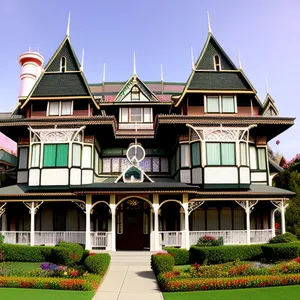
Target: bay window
[185,157]
[76,152]
[35,155]
[258,158]
[220,104]
[195,148]
[56,155]
[220,154]
[243,154]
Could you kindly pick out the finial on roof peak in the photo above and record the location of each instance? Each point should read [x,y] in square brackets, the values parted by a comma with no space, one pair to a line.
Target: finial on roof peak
[68,27]
[82,59]
[192,57]
[208,21]
[239,57]
[103,76]
[267,85]
[161,73]
[134,64]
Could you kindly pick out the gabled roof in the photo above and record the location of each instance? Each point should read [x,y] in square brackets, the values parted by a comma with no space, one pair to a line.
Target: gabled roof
[54,83]
[269,108]
[204,77]
[135,81]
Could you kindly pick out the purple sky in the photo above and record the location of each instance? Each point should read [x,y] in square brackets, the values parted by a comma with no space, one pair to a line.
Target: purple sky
[161,31]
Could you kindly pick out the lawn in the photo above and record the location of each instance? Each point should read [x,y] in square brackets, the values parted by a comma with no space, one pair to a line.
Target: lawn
[278,293]
[31,294]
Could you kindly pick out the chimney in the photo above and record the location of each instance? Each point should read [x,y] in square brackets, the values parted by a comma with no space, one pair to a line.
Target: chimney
[31,63]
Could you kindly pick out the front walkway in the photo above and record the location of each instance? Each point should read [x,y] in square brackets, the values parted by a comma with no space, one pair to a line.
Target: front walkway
[129,281]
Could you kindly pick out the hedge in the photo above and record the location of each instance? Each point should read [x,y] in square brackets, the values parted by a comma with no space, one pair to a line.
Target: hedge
[222,254]
[61,256]
[162,263]
[47,283]
[275,252]
[26,253]
[181,256]
[97,263]
[198,284]
[283,238]
[76,249]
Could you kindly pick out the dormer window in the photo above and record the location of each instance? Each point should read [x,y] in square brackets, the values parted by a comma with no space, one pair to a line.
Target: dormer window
[217,63]
[60,108]
[220,104]
[135,93]
[63,64]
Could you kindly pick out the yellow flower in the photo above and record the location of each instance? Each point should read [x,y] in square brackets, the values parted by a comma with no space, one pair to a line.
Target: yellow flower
[65,273]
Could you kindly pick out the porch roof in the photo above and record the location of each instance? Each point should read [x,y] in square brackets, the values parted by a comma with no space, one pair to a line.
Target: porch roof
[163,187]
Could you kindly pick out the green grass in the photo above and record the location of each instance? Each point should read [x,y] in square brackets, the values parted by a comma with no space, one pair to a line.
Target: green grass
[270,293]
[182,267]
[18,268]
[31,294]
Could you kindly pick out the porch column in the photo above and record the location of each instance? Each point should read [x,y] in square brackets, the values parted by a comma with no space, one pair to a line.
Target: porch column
[88,207]
[156,229]
[273,221]
[185,201]
[3,216]
[281,205]
[112,205]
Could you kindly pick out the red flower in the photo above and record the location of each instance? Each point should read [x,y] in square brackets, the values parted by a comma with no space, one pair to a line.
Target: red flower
[92,254]
[203,287]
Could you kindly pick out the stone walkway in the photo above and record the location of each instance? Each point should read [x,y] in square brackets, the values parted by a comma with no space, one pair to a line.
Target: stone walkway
[129,282]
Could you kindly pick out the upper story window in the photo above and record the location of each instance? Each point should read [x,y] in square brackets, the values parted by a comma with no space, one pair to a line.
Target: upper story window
[220,104]
[56,155]
[220,154]
[60,108]
[217,63]
[136,114]
[63,64]
[135,93]
[258,159]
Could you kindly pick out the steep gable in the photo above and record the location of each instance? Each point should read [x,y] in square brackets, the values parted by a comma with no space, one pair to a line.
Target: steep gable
[134,86]
[269,109]
[58,81]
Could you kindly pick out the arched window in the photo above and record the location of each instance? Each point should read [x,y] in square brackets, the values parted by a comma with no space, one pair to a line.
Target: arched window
[63,64]
[217,62]
[135,93]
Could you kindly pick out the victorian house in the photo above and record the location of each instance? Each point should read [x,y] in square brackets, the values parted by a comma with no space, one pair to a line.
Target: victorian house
[140,165]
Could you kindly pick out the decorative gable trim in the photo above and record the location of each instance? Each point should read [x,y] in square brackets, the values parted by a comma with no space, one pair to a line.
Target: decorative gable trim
[135,81]
[269,104]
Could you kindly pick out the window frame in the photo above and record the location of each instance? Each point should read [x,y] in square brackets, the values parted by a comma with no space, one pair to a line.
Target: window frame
[63,64]
[56,155]
[135,91]
[129,115]
[217,65]
[220,104]
[60,108]
[257,159]
[220,152]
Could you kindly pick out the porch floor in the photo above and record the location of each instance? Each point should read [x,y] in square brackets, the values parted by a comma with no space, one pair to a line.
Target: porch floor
[129,277]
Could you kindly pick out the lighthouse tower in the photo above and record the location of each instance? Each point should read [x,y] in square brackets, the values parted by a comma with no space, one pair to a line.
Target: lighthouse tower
[31,63]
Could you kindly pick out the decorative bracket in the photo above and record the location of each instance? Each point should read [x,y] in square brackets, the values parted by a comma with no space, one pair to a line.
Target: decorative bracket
[247,205]
[280,204]
[35,205]
[82,206]
[2,209]
[194,205]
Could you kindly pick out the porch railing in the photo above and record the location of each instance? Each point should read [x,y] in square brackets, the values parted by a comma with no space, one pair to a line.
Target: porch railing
[16,237]
[170,238]
[99,239]
[53,237]
[260,236]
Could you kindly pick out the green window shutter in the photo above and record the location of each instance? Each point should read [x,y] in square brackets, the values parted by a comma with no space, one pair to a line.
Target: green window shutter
[228,154]
[49,155]
[213,154]
[196,154]
[62,155]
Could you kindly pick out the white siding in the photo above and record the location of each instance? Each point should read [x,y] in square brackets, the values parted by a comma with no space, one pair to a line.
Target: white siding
[259,176]
[244,175]
[55,177]
[34,177]
[87,176]
[75,176]
[221,175]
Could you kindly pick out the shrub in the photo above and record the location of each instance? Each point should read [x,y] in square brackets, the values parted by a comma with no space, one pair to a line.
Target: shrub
[76,249]
[162,263]
[85,254]
[1,255]
[222,254]
[1,239]
[283,238]
[97,263]
[210,241]
[181,256]
[281,251]
[26,253]
[62,256]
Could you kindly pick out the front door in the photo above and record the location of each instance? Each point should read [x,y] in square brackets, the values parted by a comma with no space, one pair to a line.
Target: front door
[133,225]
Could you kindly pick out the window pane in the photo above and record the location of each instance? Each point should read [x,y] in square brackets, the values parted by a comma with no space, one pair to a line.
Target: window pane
[136,114]
[261,159]
[49,155]
[253,159]
[76,155]
[227,104]
[124,115]
[228,154]
[106,165]
[66,108]
[147,114]
[196,154]
[212,104]
[87,157]
[96,162]
[53,108]
[23,158]
[35,156]
[213,154]
[243,154]
[185,155]
[62,155]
